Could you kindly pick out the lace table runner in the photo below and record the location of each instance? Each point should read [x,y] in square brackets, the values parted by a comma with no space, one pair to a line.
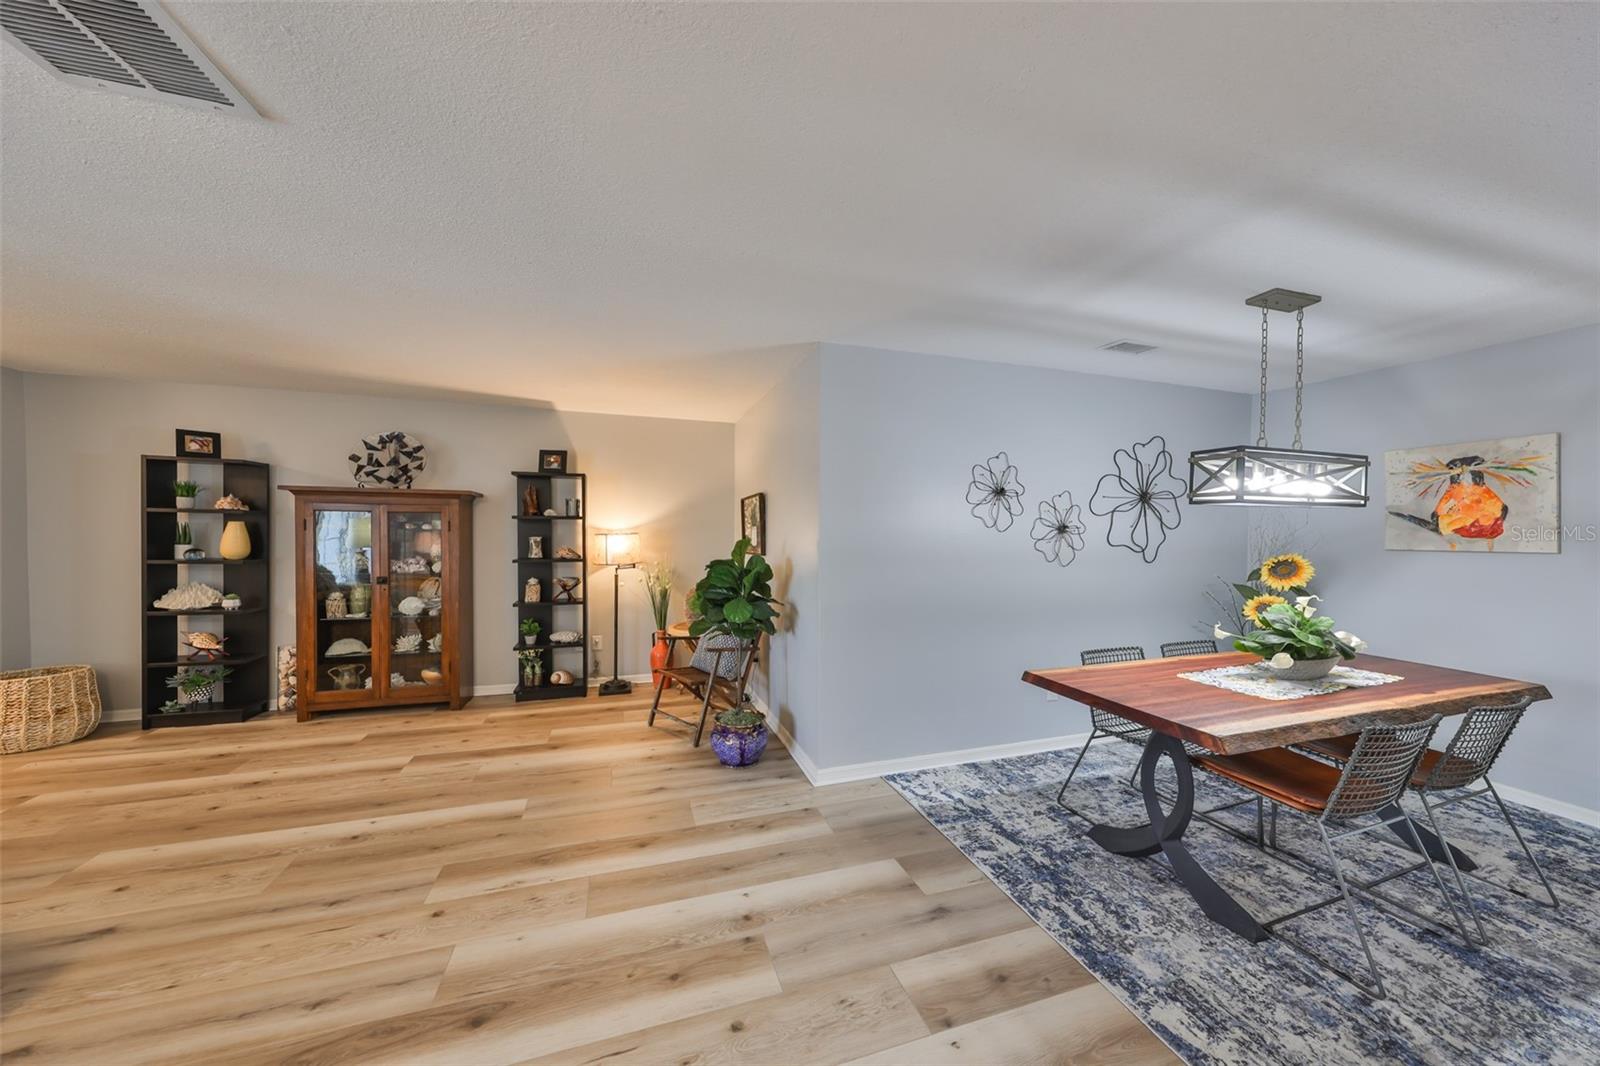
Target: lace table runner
[1259,679]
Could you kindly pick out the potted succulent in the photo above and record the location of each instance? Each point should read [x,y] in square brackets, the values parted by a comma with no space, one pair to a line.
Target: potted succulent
[197,684]
[1289,635]
[532,661]
[735,598]
[182,540]
[530,631]
[658,586]
[231,601]
[184,493]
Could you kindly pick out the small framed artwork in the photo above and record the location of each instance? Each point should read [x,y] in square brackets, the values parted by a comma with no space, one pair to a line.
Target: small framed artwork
[753,521]
[199,443]
[552,462]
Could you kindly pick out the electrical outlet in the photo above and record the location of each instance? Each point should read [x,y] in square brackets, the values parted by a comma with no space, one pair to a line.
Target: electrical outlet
[599,642]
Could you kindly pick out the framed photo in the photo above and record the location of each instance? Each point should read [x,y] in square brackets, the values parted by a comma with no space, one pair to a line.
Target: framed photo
[198,443]
[552,462]
[753,521]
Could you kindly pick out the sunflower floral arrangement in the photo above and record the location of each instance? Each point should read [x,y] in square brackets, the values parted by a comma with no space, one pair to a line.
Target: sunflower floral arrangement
[1286,629]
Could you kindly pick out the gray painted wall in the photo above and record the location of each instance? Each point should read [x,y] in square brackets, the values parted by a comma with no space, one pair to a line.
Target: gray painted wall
[671,480]
[1516,615]
[15,653]
[777,451]
[932,617]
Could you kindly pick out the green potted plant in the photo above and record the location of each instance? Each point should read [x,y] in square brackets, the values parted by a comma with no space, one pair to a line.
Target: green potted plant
[197,684]
[1289,635]
[532,663]
[735,598]
[184,493]
[182,540]
[530,631]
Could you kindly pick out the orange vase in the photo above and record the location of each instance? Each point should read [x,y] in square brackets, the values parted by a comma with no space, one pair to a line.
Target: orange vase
[660,652]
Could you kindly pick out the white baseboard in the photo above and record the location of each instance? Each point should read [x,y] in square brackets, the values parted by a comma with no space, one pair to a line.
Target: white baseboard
[837,775]
[1548,805]
[834,775]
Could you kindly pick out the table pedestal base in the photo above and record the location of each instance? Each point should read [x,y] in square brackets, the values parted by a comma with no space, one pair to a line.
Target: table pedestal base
[1164,833]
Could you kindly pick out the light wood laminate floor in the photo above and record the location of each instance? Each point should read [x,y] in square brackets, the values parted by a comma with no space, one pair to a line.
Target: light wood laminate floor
[547,882]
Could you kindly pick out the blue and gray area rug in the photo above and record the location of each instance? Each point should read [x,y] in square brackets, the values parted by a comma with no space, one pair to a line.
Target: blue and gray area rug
[1531,996]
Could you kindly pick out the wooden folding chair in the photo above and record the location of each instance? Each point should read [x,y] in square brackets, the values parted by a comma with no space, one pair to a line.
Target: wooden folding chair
[717,676]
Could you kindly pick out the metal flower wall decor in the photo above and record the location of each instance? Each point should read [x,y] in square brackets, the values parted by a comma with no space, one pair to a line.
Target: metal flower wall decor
[995,493]
[1058,531]
[1141,498]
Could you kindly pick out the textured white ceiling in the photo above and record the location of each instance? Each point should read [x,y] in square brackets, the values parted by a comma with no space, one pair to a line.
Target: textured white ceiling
[640,208]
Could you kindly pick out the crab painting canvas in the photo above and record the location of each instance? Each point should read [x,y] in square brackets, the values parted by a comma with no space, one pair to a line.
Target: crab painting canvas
[1482,496]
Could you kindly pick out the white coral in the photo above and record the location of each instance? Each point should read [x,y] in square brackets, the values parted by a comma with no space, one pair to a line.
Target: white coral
[195,596]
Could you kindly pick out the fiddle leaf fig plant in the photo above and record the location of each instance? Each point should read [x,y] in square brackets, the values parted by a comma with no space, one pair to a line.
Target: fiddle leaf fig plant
[735,597]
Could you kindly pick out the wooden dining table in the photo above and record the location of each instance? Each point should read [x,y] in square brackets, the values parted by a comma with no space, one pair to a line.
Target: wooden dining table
[1177,709]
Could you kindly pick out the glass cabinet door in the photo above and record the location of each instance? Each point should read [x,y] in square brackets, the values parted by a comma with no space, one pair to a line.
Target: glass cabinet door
[342,549]
[416,600]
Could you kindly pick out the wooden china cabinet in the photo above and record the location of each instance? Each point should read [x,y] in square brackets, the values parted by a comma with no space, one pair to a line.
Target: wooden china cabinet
[383,597]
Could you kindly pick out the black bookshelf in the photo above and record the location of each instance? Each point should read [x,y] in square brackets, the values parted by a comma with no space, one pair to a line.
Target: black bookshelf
[558,530]
[248,629]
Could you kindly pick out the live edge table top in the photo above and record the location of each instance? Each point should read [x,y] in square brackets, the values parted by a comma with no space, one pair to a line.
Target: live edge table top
[1151,693]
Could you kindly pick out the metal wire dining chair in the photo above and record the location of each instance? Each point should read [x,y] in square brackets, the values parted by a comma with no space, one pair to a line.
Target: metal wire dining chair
[1465,761]
[1378,771]
[1173,649]
[1104,723]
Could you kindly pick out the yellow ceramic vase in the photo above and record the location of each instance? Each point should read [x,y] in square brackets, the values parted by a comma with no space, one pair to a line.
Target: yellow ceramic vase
[235,541]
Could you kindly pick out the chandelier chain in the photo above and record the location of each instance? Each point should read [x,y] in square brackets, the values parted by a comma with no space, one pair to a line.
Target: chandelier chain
[1261,426]
[1299,368]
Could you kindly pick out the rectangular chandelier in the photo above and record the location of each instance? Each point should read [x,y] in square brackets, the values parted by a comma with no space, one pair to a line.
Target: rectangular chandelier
[1253,475]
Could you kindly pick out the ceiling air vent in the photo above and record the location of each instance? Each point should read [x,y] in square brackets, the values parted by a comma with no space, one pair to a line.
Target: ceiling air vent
[123,46]
[1128,347]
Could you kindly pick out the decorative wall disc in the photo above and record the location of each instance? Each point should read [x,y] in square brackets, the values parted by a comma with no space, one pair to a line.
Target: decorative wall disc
[389,460]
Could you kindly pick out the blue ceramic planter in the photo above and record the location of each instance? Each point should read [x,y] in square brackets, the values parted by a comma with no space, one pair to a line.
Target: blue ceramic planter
[738,747]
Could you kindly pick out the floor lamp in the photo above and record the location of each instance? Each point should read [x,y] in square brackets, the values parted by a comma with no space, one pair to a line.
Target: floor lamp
[620,550]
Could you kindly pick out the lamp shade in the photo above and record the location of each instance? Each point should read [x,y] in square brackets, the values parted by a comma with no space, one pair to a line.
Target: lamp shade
[619,549]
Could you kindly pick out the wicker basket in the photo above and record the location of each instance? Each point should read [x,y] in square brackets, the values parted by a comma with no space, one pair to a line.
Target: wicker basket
[45,707]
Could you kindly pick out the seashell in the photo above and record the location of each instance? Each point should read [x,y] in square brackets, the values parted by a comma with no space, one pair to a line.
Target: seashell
[230,502]
[436,642]
[206,645]
[430,588]
[568,553]
[195,596]
[565,636]
[408,643]
[412,606]
[430,675]
[346,646]
[560,677]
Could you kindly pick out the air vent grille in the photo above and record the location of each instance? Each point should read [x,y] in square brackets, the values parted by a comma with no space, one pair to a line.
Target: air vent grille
[1128,347]
[127,46]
